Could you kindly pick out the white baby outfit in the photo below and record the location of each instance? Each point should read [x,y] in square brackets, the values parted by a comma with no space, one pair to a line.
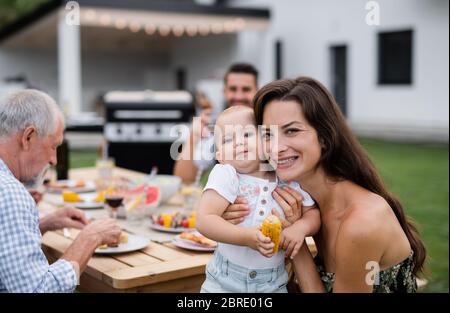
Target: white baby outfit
[258,192]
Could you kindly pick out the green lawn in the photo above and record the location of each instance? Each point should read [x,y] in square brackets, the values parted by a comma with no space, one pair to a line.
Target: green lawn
[418,175]
[84,158]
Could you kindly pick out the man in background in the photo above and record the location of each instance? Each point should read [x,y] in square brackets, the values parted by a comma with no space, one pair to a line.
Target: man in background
[240,85]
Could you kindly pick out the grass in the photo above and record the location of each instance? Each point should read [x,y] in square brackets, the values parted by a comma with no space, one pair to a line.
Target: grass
[82,158]
[418,175]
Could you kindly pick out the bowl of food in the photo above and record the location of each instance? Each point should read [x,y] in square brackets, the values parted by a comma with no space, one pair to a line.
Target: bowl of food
[168,184]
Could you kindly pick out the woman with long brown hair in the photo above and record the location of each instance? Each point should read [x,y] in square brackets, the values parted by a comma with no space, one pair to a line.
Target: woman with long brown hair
[366,242]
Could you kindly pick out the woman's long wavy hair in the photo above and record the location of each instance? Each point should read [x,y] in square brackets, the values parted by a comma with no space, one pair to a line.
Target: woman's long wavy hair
[342,156]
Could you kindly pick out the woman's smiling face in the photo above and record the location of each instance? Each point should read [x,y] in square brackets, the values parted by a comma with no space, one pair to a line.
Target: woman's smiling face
[290,143]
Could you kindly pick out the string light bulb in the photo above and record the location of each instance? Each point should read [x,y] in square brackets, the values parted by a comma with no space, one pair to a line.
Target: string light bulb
[135,27]
[105,20]
[150,29]
[120,23]
[217,28]
[164,30]
[178,30]
[203,30]
[90,15]
[192,30]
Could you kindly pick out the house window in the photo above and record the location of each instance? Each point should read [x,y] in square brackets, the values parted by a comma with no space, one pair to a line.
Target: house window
[395,58]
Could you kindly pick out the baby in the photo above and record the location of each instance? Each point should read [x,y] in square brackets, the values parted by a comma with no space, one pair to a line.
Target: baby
[244,260]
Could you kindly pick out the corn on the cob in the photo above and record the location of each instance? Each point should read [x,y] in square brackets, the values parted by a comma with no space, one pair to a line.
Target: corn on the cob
[123,237]
[69,196]
[271,227]
[100,197]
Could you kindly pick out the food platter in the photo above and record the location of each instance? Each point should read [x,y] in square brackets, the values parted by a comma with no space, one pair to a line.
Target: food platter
[134,243]
[78,186]
[181,242]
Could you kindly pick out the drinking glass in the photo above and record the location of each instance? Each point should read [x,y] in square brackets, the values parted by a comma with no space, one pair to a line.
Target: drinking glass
[113,203]
[114,197]
[105,168]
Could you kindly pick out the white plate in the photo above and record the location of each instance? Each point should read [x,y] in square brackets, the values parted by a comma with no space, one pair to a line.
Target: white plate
[87,205]
[185,244]
[134,243]
[175,230]
[88,187]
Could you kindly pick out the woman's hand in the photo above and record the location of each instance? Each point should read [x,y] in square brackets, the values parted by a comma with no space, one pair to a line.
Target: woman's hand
[291,203]
[236,212]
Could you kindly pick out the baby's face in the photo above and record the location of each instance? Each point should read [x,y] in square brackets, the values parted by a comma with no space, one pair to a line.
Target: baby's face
[237,141]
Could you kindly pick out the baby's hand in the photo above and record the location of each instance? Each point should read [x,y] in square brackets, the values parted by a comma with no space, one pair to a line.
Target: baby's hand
[264,245]
[291,239]
[261,243]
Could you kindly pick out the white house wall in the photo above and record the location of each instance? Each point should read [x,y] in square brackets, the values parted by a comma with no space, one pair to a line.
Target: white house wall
[40,68]
[121,71]
[309,28]
[208,58]
[203,57]
[100,72]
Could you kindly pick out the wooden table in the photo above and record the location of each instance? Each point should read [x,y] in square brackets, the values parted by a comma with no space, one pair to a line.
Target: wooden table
[157,268]
[160,267]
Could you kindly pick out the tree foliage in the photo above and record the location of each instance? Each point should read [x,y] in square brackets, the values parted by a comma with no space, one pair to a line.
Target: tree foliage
[11,10]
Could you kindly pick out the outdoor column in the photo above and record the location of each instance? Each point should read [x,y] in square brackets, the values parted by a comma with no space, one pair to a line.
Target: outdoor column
[69,65]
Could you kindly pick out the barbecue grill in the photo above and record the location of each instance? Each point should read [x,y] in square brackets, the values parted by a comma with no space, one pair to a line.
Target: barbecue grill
[142,126]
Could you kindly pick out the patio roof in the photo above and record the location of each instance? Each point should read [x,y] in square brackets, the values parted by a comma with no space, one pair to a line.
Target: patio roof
[115,25]
[111,19]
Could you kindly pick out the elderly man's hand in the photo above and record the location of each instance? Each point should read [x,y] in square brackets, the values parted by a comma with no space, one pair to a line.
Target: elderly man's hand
[65,217]
[106,231]
[37,195]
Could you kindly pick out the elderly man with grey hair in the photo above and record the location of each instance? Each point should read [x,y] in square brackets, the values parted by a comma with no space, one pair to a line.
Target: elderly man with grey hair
[31,128]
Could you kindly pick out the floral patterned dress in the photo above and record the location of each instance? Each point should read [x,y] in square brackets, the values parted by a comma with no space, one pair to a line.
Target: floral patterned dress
[398,278]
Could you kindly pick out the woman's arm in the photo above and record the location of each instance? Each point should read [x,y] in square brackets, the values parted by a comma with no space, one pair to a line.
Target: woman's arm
[235,213]
[212,225]
[305,269]
[310,221]
[304,221]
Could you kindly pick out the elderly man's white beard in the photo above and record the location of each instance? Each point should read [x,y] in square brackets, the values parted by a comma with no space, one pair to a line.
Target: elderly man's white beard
[36,181]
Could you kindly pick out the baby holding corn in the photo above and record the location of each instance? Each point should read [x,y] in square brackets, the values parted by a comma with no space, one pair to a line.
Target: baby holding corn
[246,260]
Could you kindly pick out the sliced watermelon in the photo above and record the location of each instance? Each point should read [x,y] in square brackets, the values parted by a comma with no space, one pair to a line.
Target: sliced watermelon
[153,196]
[138,189]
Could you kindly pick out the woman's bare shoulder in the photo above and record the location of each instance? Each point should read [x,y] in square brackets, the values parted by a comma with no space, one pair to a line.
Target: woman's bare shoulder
[367,216]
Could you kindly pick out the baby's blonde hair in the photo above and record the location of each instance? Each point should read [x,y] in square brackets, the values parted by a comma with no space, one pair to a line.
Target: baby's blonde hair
[236,109]
[242,109]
